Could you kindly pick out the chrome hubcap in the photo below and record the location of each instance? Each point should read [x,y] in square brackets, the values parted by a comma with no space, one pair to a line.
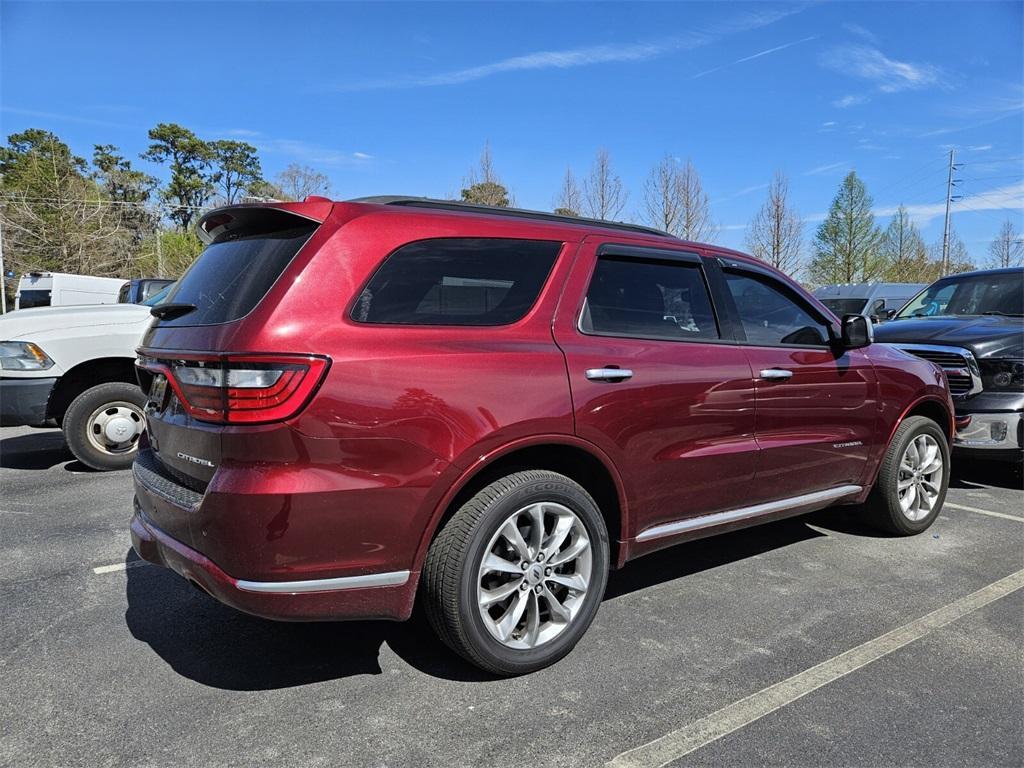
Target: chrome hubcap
[534,575]
[920,477]
[115,427]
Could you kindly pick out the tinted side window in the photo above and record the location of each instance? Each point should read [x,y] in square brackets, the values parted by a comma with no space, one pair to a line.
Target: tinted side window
[770,316]
[649,299]
[457,281]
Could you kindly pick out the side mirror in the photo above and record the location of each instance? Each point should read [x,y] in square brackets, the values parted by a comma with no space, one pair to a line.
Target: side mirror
[890,313]
[857,332]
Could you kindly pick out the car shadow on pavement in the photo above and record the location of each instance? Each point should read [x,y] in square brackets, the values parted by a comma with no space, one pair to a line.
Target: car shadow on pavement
[215,645]
[35,450]
[972,473]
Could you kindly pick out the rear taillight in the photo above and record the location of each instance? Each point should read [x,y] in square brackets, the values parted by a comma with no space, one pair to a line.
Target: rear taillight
[244,389]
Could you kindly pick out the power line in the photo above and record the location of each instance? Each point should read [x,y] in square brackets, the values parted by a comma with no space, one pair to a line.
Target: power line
[165,206]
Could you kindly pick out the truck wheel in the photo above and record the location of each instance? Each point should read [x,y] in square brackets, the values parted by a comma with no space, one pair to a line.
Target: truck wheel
[912,480]
[103,424]
[514,579]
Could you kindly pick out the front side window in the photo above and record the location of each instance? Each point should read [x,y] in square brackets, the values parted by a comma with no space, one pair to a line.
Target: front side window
[649,298]
[457,281]
[770,315]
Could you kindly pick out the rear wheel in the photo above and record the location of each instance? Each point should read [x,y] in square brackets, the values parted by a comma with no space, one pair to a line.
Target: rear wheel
[102,425]
[912,480]
[514,579]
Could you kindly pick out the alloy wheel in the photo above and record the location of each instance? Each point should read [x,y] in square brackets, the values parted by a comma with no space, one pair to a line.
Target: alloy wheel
[920,477]
[534,575]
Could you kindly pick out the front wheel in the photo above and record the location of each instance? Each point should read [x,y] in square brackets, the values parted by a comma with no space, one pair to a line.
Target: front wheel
[102,425]
[514,579]
[912,480]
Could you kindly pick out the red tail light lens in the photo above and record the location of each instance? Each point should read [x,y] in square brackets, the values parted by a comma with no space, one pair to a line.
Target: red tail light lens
[245,389]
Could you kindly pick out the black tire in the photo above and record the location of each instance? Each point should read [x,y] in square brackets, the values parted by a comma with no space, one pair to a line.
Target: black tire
[882,508]
[78,419]
[450,576]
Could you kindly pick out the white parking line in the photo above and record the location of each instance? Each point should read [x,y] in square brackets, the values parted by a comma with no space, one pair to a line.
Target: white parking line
[119,566]
[683,741]
[984,512]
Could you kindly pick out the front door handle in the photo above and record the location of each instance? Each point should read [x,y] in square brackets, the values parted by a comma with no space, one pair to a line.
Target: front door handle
[609,374]
[776,374]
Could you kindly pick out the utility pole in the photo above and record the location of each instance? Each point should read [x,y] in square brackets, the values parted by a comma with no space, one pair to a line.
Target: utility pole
[3,273]
[950,198]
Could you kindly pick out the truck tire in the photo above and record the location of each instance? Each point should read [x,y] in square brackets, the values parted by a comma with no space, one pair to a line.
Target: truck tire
[103,424]
[515,577]
[913,478]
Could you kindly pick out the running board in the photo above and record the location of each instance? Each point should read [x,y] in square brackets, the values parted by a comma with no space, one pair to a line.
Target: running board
[745,513]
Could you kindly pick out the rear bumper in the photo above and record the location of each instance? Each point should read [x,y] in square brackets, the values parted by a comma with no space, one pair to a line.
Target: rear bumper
[364,596]
[23,401]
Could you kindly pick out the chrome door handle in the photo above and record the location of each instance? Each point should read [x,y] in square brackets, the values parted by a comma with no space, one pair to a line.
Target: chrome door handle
[609,374]
[776,374]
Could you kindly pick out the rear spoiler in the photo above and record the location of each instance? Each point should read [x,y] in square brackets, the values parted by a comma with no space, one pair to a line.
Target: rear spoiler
[253,218]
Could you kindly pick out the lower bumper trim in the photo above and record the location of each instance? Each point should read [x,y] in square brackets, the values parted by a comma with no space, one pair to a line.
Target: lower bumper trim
[390,579]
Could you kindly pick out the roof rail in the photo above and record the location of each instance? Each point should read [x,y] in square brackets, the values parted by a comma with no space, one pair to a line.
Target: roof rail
[519,213]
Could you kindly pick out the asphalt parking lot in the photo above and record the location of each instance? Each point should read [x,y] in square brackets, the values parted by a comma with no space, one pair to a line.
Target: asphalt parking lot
[108,661]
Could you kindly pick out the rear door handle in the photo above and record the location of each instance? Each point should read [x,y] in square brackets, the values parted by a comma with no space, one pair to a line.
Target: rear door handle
[776,374]
[609,374]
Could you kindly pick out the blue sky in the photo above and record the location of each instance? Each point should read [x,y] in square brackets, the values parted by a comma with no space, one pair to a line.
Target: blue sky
[400,98]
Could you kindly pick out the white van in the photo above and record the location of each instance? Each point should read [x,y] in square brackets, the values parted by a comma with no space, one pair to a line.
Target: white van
[57,289]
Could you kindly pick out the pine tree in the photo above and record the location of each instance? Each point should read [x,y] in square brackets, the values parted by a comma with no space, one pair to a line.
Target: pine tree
[846,243]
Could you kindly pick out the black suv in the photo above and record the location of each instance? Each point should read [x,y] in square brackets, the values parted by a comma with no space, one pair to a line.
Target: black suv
[972,325]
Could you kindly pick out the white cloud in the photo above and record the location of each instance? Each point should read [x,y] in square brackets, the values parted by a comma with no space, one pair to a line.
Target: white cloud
[829,124]
[999,199]
[297,150]
[861,32]
[744,191]
[980,148]
[825,168]
[755,56]
[849,101]
[581,57]
[243,133]
[889,75]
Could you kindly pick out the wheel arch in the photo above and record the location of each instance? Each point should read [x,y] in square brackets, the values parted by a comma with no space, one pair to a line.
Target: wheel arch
[88,374]
[577,459]
[929,406]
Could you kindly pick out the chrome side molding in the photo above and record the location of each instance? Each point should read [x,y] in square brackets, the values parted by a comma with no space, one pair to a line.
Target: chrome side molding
[744,513]
[390,579]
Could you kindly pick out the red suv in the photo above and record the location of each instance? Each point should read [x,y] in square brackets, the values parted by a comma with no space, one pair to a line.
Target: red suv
[354,403]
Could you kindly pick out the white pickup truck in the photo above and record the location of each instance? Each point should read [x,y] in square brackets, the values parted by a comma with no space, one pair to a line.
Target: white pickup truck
[75,367]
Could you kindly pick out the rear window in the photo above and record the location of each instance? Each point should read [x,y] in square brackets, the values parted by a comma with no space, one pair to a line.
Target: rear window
[29,299]
[845,306]
[232,275]
[457,281]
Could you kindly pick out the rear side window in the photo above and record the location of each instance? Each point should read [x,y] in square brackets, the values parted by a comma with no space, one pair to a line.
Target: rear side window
[457,281]
[649,299]
[232,275]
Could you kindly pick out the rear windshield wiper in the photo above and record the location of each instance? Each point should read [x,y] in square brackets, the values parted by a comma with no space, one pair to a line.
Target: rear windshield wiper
[171,311]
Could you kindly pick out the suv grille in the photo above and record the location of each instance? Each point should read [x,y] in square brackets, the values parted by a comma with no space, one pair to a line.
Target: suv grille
[958,364]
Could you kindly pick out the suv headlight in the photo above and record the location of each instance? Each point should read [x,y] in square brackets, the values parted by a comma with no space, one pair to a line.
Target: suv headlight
[1002,375]
[23,356]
